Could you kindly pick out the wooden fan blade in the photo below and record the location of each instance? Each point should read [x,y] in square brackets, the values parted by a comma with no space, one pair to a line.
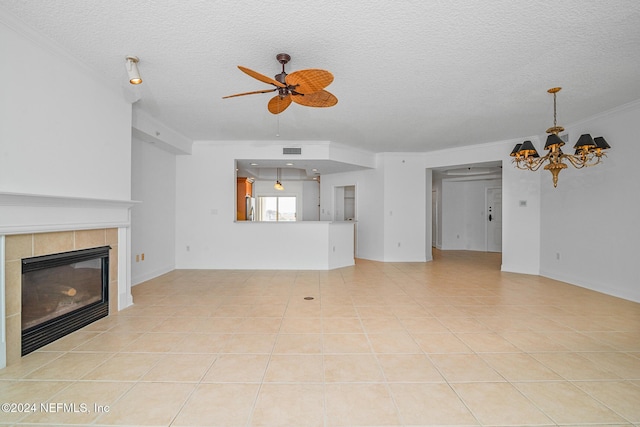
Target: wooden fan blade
[277,104]
[321,98]
[309,81]
[249,93]
[260,77]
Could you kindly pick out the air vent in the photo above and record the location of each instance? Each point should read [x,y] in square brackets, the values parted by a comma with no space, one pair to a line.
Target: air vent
[292,150]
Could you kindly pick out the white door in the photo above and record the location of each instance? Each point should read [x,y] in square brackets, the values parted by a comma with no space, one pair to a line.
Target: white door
[494,219]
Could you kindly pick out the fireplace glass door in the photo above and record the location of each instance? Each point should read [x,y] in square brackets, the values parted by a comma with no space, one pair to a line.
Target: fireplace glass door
[61,293]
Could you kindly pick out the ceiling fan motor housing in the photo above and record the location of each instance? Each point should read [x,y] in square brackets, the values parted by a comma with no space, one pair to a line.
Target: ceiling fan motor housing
[283,58]
[281,77]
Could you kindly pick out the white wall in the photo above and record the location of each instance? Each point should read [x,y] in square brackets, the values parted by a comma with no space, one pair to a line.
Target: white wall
[390,207]
[310,200]
[63,131]
[153,220]
[464,218]
[405,201]
[590,221]
[369,226]
[521,209]
[341,245]
[65,136]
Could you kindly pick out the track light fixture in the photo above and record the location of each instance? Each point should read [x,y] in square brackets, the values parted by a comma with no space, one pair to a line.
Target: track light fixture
[589,151]
[132,70]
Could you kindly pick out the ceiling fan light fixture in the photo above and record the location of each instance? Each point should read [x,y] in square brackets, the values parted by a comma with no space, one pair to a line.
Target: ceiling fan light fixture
[132,70]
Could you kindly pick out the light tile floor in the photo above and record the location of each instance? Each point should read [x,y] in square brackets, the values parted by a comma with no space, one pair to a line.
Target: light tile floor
[451,342]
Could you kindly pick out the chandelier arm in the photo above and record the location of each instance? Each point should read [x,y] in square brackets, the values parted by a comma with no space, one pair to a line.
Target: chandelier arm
[580,162]
[533,165]
[576,161]
[596,162]
[521,166]
[538,162]
[590,161]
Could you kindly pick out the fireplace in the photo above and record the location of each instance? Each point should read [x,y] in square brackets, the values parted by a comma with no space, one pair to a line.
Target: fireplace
[61,293]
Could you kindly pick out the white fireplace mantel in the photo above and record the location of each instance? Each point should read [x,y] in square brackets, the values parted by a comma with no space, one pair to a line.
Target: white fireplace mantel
[33,213]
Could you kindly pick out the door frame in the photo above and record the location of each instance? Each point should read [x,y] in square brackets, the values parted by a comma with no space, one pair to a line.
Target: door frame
[486,215]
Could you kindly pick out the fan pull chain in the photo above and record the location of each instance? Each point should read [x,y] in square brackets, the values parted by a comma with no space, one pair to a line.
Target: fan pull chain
[278,126]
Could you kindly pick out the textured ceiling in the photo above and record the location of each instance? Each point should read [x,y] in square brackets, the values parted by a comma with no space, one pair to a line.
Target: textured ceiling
[409,75]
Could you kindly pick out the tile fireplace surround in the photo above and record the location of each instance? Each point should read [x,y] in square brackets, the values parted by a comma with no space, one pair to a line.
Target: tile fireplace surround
[27,245]
[32,225]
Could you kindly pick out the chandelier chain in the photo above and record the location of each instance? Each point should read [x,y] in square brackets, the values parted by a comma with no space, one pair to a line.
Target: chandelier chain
[555,124]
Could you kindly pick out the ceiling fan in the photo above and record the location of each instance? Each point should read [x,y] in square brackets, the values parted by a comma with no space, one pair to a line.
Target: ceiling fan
[304,87]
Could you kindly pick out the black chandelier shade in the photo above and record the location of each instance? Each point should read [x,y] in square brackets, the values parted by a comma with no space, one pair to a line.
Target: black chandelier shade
[527,149]
[553,139]
[601,143]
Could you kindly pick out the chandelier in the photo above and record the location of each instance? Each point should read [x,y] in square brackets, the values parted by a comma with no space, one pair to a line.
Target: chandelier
[589,151]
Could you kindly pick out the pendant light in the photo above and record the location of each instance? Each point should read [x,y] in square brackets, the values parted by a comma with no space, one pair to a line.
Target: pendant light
[278,185]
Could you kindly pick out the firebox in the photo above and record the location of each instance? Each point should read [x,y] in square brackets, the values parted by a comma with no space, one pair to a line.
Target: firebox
[61,293]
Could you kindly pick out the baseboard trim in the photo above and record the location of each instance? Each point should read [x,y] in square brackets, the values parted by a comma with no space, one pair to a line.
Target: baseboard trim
[627,294]
[136,280]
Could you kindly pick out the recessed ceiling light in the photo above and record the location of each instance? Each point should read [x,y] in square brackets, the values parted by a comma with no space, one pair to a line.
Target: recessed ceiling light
[289,164]
[253,164]
[314,170]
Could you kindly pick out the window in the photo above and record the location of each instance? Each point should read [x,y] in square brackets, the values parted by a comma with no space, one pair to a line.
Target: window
[277,208]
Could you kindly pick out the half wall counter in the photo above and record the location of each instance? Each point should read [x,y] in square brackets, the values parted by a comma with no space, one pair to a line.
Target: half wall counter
[299,245]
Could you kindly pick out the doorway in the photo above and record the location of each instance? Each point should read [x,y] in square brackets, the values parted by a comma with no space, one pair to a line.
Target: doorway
[344,209]
[345,203]
[461,205]
[494,219]
[434,218]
